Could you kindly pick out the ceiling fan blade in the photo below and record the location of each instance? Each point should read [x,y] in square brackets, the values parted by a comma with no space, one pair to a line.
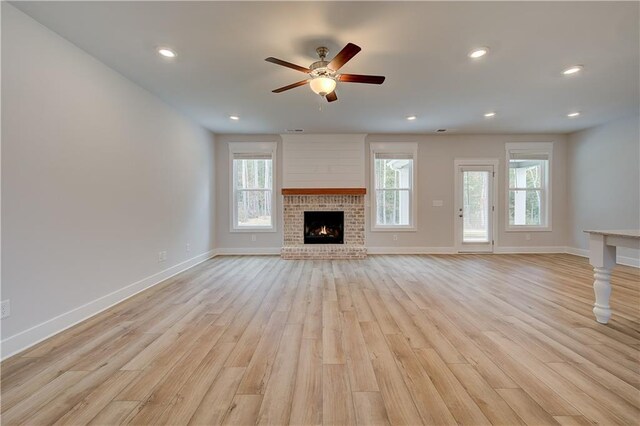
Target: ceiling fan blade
[291,86]
[359,78]
[288,64]
[332,96]
[347,52]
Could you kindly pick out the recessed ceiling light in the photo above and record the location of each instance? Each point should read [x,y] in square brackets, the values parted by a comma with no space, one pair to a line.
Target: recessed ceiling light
[479,53]
[573,114]
[166,52]
[572,70]
[234,117]
[441,130]
[411,117]
[490,114]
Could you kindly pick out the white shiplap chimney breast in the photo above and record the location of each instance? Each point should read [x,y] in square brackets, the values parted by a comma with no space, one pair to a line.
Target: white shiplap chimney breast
[323,161]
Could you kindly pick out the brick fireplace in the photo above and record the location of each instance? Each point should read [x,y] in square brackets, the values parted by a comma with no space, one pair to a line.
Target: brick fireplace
[348,201]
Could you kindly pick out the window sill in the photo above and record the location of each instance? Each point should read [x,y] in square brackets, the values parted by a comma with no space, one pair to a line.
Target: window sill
[394,229]
[241,230]
[529,229]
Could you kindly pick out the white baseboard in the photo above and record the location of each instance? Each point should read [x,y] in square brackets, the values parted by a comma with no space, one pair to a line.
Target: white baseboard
[261,251]
[531,249]
[27,338]
[577,251]
[410,250]
[247,251]
[621,260]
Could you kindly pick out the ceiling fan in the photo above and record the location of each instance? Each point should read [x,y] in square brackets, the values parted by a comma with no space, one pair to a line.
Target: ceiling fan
[323,75]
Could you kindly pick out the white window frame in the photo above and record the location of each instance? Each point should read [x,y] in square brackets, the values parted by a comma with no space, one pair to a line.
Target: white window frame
[252,148]
[547,187]
[409,148]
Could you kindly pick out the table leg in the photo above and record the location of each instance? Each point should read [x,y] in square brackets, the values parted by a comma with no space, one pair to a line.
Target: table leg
[602,257]
[602,289]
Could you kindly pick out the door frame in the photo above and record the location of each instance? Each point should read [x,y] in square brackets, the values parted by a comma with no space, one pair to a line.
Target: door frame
[457,199]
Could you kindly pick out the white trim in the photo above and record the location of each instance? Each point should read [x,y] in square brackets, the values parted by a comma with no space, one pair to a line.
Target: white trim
[36,334]
[262,251]
[255,230]
[253,148]
[525,228]
[394,148]
[392,228]
[577,251]
[247,251]
[620,260]
[483,162]
[411,250]
[530,146]
[530,250]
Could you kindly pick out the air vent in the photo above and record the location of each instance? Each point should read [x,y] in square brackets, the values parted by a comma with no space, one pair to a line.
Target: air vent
[441,130]
[294,130]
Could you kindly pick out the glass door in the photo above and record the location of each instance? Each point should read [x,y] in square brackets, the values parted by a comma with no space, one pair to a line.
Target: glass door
[475,208]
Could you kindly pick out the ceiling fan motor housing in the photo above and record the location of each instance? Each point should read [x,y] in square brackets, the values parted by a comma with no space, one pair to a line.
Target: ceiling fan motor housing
[320,68]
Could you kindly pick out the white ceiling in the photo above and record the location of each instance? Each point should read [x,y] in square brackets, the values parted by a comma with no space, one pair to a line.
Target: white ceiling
[421,47]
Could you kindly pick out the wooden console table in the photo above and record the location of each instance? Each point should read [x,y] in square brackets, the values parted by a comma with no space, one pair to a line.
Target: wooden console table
[602,256]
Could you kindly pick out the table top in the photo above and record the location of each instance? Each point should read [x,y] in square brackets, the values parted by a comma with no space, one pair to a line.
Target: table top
[627,233]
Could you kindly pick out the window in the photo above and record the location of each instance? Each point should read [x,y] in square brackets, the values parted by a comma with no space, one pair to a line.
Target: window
[252,182]
[529,192]
[393,180]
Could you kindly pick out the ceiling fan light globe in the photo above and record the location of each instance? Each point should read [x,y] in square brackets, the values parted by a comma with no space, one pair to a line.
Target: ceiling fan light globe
[322,85]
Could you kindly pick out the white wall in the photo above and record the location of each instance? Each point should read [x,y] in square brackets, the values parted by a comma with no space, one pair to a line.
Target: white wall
[98,176]
[436,154]
[604,181]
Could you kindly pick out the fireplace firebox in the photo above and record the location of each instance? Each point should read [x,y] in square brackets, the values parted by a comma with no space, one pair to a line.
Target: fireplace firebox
[324,227]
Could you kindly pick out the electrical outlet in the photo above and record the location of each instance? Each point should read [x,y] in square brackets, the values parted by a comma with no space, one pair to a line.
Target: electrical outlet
[527,237]
[162,256]
[5,308]
[395,237]
[253,237]
[188,247]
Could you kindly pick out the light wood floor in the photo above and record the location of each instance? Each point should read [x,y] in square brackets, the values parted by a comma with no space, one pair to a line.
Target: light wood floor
[505,339]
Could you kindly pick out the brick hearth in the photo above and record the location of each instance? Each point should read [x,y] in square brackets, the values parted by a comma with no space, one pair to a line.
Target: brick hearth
[353,208]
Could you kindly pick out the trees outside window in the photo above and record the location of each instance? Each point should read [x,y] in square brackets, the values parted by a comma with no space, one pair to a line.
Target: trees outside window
[529,200]
[252,183]
[393,178]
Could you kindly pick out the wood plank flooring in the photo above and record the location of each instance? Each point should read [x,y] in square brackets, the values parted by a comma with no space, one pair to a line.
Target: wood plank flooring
[449,339]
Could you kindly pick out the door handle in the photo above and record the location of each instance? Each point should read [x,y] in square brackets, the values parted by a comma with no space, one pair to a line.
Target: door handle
[459,215]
